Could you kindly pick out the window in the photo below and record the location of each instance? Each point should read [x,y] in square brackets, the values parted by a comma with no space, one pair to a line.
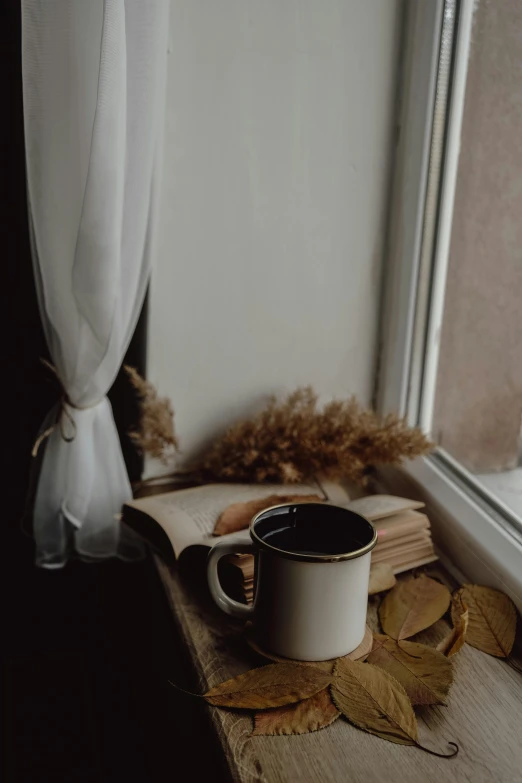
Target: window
[452,331]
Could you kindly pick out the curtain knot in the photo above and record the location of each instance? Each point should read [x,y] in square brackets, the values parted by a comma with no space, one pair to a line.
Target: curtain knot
[64,417]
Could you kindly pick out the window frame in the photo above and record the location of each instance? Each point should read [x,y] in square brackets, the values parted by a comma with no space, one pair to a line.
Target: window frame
[482,537]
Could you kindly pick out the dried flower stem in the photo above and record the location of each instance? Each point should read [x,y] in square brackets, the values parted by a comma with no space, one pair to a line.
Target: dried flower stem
[156,435]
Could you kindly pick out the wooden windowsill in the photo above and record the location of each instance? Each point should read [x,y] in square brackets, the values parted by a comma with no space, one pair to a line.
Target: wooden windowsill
[482,714]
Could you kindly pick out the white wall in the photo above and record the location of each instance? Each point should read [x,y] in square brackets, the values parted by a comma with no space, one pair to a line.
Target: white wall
[278,145]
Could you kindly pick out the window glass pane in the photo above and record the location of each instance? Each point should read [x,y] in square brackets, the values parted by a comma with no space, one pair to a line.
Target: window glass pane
[478,404]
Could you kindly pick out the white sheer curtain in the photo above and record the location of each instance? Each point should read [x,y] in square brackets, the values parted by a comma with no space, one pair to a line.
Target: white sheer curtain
[94,90]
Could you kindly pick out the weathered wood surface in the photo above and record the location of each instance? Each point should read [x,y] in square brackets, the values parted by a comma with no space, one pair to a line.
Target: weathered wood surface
[483,715]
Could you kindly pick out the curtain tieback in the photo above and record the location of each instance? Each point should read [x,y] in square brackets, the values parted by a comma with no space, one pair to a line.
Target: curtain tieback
[62,415]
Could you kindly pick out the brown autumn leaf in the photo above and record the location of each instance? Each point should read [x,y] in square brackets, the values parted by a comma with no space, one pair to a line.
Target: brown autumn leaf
[374,701]
[424,673]
[455,640]
[381,578]
[492,618]
[359,654]
[312,714]
[270,686]
[412,606]
[239,515]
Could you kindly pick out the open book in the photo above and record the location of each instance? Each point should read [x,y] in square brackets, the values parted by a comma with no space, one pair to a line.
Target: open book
[181,522]
[187,517]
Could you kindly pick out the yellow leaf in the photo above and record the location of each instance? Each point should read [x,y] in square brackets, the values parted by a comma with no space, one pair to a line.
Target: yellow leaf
[359,654]
[455,640]
[381,578]
[413,606]
[424,673]
[312,714]
[374,701]
[492,618]
[239,515]
[269,686]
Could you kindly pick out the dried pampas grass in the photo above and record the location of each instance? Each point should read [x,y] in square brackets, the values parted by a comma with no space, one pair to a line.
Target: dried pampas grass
[294,440]
[156,435]
[288,442]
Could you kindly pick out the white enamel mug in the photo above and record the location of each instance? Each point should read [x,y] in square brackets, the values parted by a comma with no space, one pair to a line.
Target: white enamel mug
[312,567]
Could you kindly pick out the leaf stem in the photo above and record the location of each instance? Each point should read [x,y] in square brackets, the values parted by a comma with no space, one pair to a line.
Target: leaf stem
[440,755]
[189,693]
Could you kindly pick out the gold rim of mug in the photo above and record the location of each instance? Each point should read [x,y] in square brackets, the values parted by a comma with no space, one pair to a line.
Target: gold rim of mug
[311,558]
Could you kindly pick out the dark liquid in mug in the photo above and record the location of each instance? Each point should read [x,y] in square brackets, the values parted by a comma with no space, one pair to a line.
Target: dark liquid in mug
[314,529]
[287,539]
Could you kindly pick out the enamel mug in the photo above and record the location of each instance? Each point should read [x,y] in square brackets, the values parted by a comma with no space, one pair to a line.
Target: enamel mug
[312,567]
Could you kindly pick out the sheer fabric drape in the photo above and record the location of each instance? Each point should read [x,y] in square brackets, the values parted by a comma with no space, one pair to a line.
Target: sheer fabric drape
[94,91]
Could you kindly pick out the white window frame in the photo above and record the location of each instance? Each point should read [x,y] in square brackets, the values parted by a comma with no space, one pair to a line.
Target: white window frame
[477,534]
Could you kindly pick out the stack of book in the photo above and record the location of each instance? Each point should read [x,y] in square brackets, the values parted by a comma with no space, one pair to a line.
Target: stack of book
[404,535]
[404,538]
[245,566]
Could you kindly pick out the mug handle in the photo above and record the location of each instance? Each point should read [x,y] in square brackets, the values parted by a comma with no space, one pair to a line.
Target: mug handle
[225,603]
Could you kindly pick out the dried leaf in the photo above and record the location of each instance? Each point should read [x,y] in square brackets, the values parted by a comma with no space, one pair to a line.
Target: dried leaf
[239,515]
[455,640]
[381,578]
[413,606]
[424,673]
[269,686]
[374,701]
[492,618]
[312,714]
[360,652]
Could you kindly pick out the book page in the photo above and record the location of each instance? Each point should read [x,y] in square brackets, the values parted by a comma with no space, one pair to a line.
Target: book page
[410,560]
[407,523]
[399,569]
[380,506]
[387,545]
[188,516]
